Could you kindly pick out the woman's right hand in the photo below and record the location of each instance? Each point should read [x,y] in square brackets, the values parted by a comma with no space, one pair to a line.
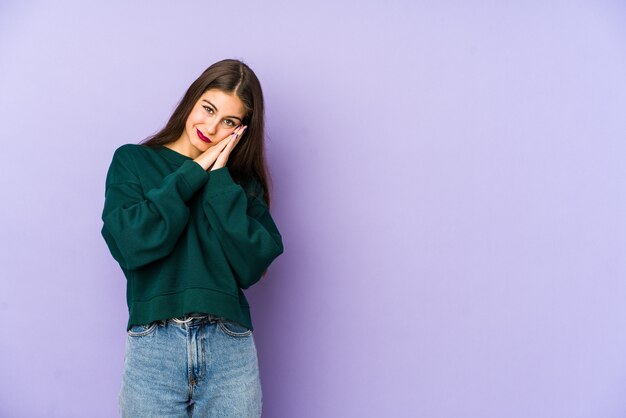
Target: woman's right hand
[208,157]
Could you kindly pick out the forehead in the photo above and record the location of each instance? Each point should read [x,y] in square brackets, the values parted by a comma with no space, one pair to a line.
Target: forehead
[229,104]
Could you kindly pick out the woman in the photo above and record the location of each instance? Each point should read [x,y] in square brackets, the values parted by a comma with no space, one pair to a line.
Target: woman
[189,232]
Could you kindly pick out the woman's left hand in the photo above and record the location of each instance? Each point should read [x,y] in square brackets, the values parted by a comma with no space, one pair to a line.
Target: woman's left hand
[233,140]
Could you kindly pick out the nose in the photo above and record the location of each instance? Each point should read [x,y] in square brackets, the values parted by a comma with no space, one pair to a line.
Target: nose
[211,125]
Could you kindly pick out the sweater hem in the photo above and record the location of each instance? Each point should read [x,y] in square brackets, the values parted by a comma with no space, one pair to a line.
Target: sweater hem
[190,300]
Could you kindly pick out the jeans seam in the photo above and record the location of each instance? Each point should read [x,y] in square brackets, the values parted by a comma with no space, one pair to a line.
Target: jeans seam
[149,329]
[231,333]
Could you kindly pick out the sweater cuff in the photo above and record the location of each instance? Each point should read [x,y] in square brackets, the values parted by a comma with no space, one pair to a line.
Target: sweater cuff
[194,178]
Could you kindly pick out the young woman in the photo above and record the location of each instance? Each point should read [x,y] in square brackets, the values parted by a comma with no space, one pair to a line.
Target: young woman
[186,215]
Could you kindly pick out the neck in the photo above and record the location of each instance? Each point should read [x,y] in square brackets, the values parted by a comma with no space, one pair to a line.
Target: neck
[182,146]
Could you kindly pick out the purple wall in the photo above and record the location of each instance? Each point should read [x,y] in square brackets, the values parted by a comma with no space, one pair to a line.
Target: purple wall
[448,180]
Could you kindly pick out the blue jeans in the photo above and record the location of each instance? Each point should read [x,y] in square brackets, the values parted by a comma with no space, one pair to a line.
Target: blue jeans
[207,367]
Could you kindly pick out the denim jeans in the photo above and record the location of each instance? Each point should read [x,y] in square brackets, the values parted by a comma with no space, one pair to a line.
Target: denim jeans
[207,367]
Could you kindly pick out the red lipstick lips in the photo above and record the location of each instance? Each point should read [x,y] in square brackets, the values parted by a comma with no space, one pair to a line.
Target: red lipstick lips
[202,137]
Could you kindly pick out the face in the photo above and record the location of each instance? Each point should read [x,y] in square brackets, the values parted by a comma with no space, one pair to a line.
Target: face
[214,116]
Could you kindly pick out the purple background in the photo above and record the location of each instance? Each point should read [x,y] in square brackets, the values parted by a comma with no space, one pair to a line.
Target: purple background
[448,180]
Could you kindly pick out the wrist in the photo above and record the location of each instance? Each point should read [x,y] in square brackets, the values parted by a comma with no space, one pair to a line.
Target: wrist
[202,163]
[216,167]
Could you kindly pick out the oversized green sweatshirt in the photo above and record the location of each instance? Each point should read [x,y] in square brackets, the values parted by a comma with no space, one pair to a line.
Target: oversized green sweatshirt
[186,239]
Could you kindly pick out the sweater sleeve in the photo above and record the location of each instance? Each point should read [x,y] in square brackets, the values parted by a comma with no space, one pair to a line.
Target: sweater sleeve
[247,233]
[141,227]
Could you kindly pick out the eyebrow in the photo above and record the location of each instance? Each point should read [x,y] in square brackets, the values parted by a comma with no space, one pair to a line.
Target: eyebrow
[215,107]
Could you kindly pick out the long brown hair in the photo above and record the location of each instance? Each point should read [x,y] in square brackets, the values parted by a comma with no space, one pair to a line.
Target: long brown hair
[247,160]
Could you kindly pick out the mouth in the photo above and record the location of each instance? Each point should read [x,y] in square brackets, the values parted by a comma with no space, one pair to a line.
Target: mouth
[202,137]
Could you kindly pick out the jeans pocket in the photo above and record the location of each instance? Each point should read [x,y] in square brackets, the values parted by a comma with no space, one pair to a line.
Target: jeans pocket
[142,330]
[232,328]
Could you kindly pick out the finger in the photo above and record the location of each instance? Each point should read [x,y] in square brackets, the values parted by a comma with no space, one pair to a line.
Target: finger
[219,147]
[238,133]
[226,143]
[224,154]
[231,143]
[237,130]
[238,137]
[214,151]
[240,130]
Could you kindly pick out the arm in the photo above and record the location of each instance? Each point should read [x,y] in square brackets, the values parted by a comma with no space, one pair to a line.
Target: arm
[249,238]
[139,227]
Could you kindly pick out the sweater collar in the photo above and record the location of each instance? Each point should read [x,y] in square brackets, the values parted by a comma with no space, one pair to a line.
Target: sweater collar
[172,156]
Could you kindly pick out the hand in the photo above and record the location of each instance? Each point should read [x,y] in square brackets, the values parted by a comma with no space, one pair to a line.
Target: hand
[209,156]
[233,139]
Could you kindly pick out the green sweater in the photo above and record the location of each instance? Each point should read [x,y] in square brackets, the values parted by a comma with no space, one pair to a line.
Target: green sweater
[186,239]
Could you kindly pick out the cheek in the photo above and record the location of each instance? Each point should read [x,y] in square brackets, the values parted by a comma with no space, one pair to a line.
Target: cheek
[194,118]
[222,136]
